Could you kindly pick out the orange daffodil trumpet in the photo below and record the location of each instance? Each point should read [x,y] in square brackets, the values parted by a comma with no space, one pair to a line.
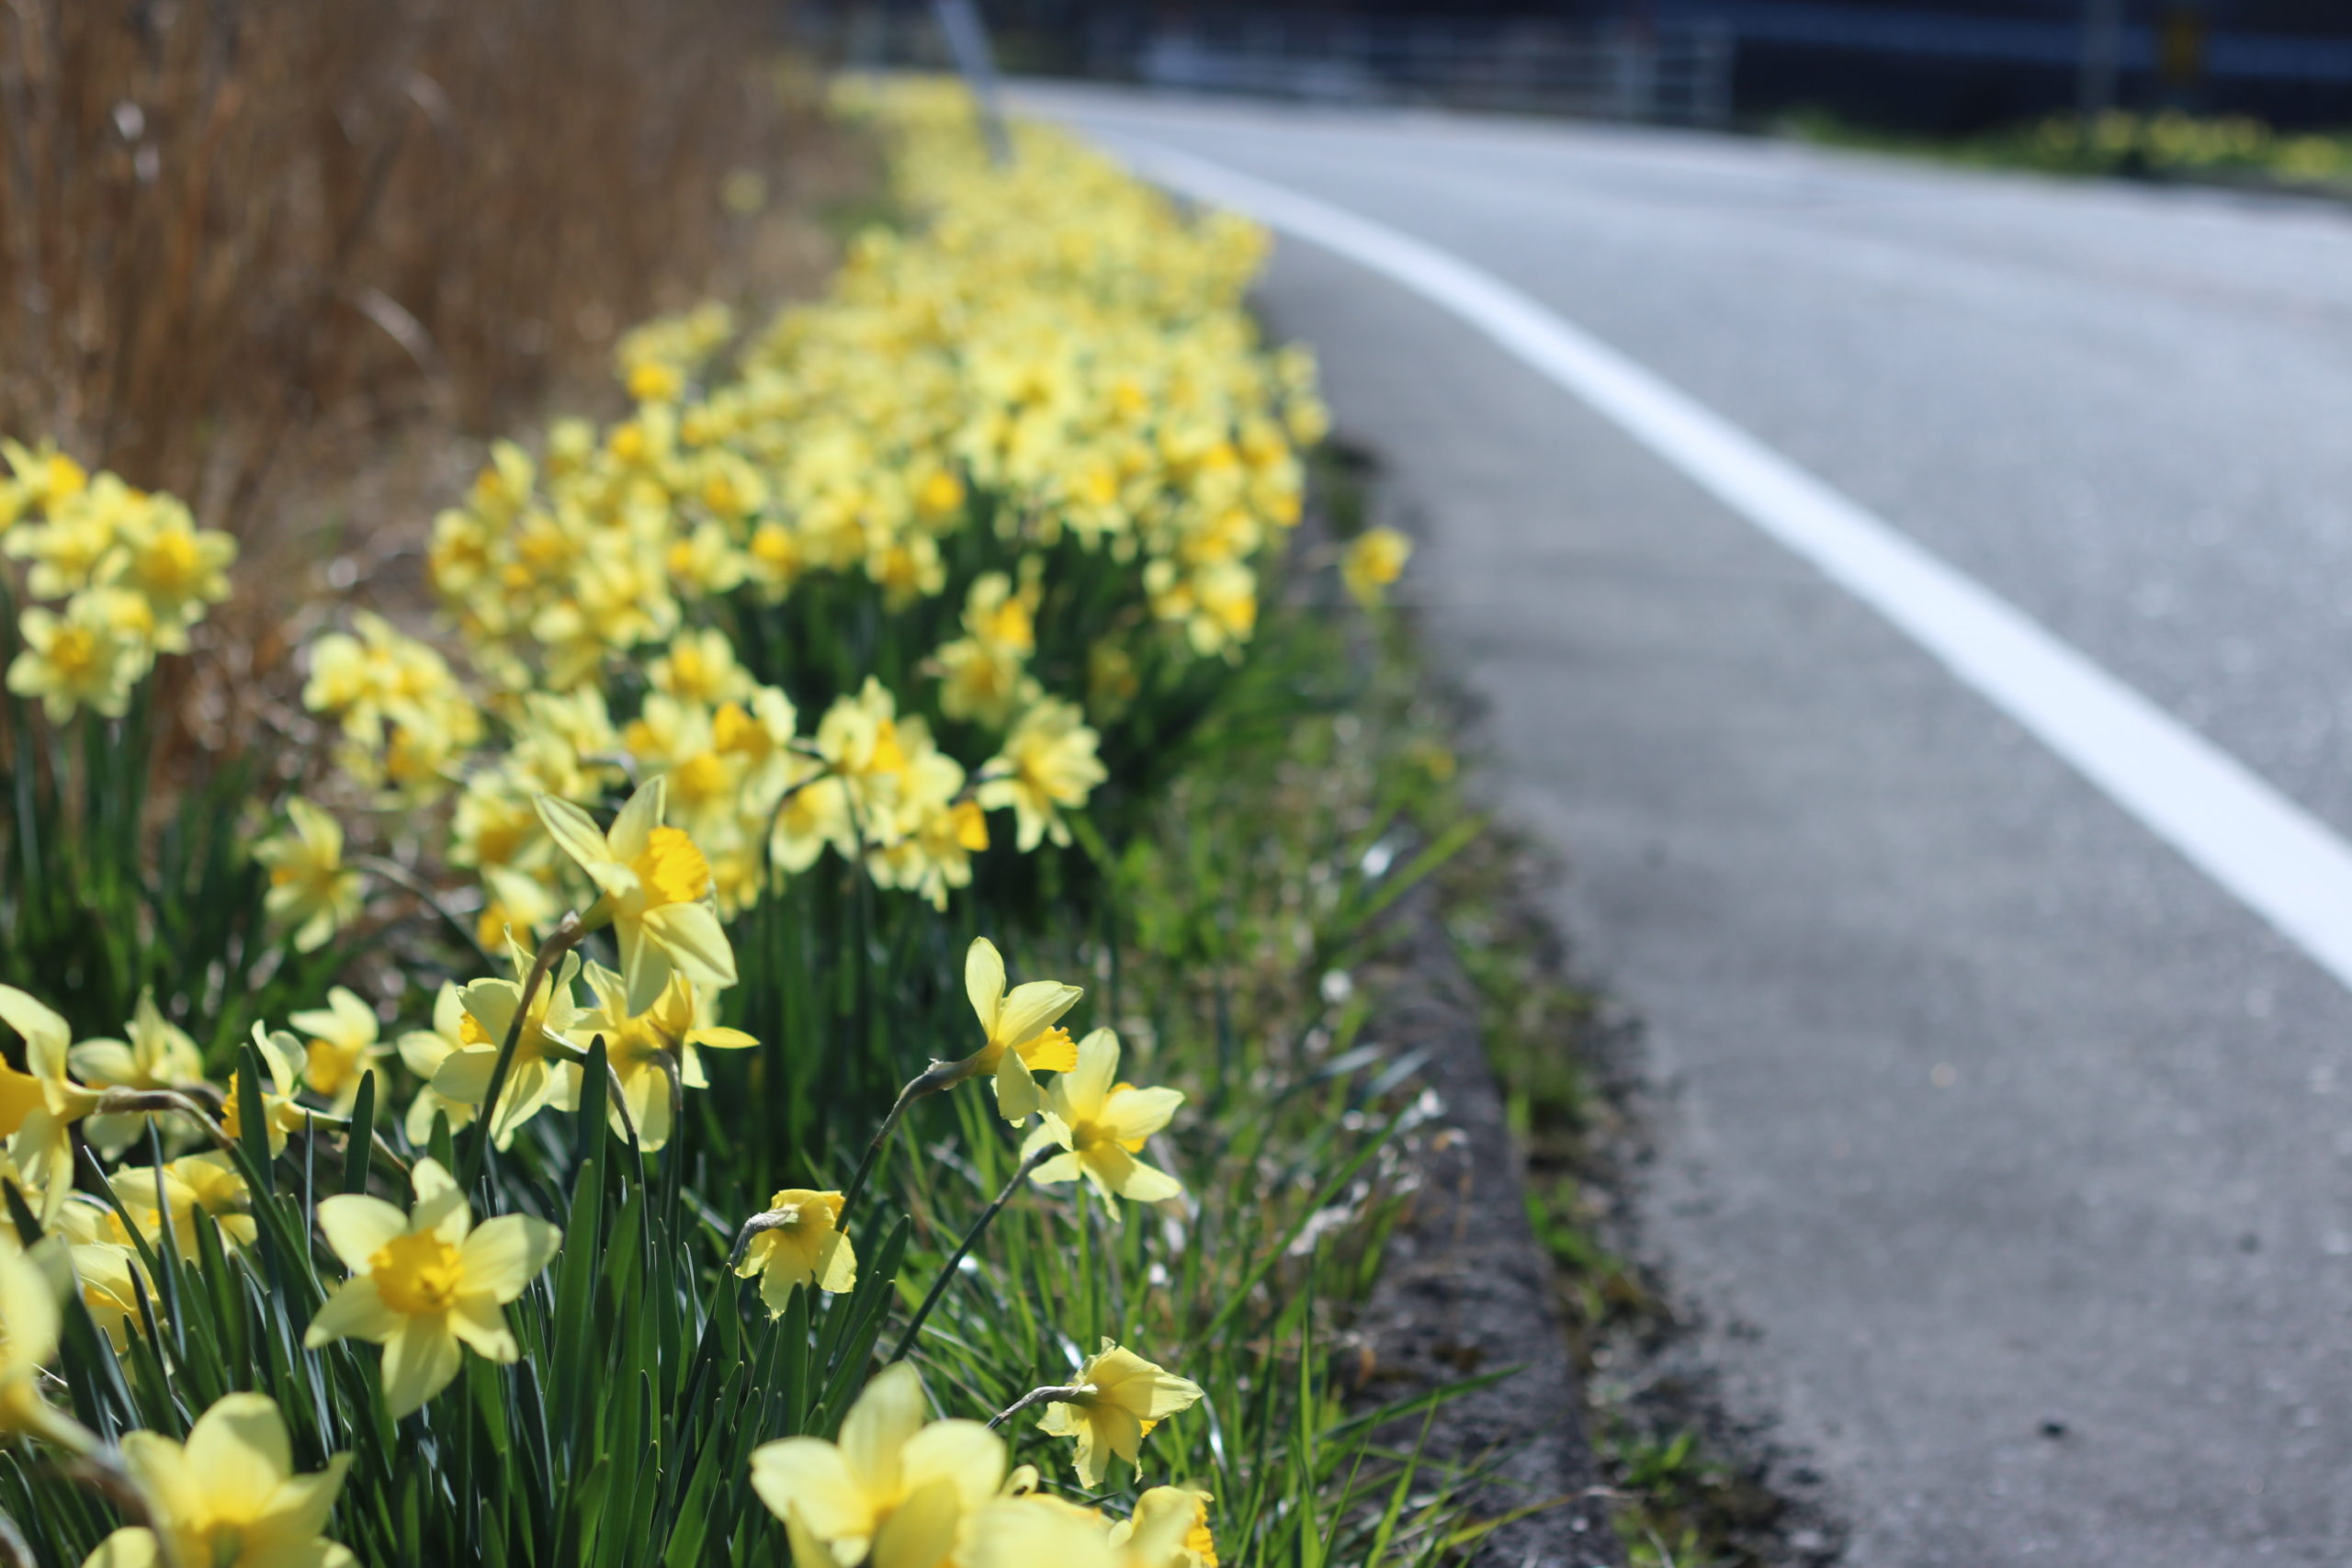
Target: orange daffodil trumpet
[657,892]
[425,1283]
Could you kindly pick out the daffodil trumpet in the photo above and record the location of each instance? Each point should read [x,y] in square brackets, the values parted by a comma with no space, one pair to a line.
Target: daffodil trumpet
[947,1271]
[568,934]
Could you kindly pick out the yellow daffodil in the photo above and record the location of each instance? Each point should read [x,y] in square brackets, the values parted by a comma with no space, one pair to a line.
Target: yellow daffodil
[1170,1529]
[1374,559]
[228,1497]
[895,1491]
[1048,764]
[657,892]
[798,1241]
[31,1284]
[108,1270]
[427,1281]
[1021,1035]
[653,1055]
[155,1054]
[421,1052]
[281,1114]
[78,660]
[1032,1530]
[700,668]
[309,888]
[342,1049]
[175,567]
[1122,1398]
[206,1181]
[544,1070]
[39,1106]
[1100,1124]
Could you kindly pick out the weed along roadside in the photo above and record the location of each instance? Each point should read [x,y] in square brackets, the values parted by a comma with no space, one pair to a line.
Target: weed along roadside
[835,999]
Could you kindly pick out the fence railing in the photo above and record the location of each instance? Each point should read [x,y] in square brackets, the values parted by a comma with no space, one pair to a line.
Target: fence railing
[1671,72]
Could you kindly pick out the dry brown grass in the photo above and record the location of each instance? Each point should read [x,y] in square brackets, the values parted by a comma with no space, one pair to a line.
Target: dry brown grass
[246,243]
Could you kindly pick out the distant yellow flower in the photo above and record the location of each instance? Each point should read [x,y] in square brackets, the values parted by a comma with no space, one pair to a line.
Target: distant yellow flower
[1048,763]
[78,660]
[343,1046]
[207,1182]
[1021,1038]
[657,892]
[309,888]
[1124,1398]
[177,568]
[425,1282]
[421,1052]
[896,1493]
[544,1070]
[799,1243]
[700,668]
[229,1498]
[281,1115]
[645,1051]
[1101,1125]
[39,1106]
[158,1055]
[1375,558]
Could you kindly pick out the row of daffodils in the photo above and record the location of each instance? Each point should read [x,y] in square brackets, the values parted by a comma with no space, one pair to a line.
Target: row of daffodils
[877,598]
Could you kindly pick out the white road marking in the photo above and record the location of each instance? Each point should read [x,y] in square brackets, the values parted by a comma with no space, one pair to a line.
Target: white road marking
[2275,857]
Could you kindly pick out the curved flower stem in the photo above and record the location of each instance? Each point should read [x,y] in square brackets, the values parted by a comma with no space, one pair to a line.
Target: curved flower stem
[567,935]
[938,1076]
[407,881]
[1062,1394]
[971,1238]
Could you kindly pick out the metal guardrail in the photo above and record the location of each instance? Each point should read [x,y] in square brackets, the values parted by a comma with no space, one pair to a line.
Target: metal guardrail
[1674,72]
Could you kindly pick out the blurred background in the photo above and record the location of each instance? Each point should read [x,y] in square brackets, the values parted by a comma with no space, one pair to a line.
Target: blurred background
[1946,67]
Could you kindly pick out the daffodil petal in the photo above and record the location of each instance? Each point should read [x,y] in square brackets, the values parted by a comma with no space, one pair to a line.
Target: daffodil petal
[810,1478]
[984,981]
[356,1226]
[419,1362]
[503,1254]
[356,1311]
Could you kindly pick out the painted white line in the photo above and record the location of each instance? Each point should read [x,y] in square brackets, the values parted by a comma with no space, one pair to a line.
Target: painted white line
[2276,858]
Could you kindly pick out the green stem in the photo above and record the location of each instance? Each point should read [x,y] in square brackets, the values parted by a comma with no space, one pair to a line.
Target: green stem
[971,1238]
[401,877]
[938,1076]
[567,935]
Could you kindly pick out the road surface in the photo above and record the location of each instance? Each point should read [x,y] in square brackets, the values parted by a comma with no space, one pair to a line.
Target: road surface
[1990,1116]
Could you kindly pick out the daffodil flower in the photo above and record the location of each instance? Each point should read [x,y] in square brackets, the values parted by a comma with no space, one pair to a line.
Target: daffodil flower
[798,1241]
[1101,1125]
[1113,1404]
[654,1054]
[39,1106]
[1374,559]
[657,892]
[896,1493]
[1020,1026]
[421,1052]
[1048,764]
[208,1182]
[280,1113]
[425,1282]
[31,1284]
[342,1048]
[309,888]
[544,1071]
[1169,1528]
[157,1054]
[228,1497]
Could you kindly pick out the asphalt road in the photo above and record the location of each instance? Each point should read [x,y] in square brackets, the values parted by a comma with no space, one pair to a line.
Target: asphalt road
[1987,1116]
